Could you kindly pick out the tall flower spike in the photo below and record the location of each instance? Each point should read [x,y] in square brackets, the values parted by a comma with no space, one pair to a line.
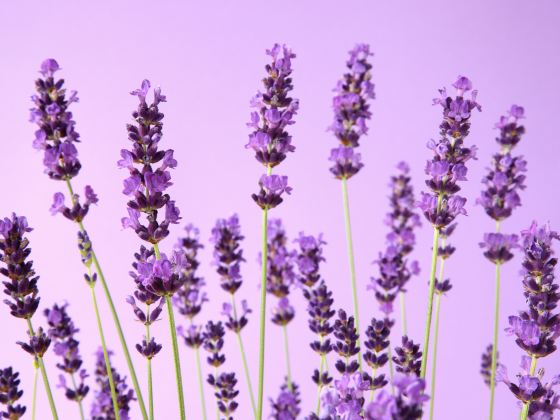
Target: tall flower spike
[486,364]
[56,134]
[62,332]
[407,357]
[10,394]
[287,405]
[148,167]
[377,344]
[346,345]
[344,400]
[102,405]
[273,111]
[309,257]
[441,205]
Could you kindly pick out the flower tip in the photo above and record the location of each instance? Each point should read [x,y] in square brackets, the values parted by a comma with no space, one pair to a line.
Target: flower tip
[462,84]
[48,67]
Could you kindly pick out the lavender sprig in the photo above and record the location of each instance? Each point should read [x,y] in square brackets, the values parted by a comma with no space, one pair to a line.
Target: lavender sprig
[537,327]
[10,394]
[351,112]
[287,405]
[228,256]
[57,137]
[406,404]
[274,110]
[62,332]
[446,169]
[21,286]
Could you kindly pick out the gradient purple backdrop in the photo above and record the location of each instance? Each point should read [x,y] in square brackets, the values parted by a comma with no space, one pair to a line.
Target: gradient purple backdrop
[208,58]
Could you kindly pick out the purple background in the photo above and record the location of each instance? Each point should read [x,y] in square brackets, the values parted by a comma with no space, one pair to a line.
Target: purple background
[209,60]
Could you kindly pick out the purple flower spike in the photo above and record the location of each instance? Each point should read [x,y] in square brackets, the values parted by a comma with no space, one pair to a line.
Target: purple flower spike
[506,174]
[78,211]
[287,404]
[148,167]
[62,332]
[280,272]
[408,357]
[498,247]
[228,254]
[56,134]
[309,257]
[448,165]
[163,276]
[10,394]
[272,187]
[344,400]
[353,92]
[486,364]
[102,406]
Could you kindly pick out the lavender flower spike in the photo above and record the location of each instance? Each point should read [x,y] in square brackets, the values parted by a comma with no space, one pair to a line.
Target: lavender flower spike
[10,394]
[274,110]
[441,205]
[21,286]
[351,112]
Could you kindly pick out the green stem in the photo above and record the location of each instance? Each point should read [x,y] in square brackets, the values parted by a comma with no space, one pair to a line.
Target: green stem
[428,325]
[262,312]
[495,343]
[373,372]
[434,354]
[116,319]
[34,398]
[348,228]
[149,361]
[319,386]
[44,375]
[80,404]
[244,359]
[391,371]
[105,354]
[403,313]
[525,409]
[217,392]
[200,384]
[287,354]
[178,375]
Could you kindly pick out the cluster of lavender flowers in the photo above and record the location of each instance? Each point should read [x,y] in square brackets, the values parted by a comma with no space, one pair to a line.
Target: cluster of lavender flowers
[102,406]
[62,332]
[10,394]
[274,111]
[351,112]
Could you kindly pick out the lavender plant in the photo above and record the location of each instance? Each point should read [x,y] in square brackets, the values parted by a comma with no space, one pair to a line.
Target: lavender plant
[503,182]
[189,300]
[57,137]
[228,255]
[21,287]
[149,178]
[10,394]
[62,333]
[446,168]
[351,113]
[536,328]
[274,111]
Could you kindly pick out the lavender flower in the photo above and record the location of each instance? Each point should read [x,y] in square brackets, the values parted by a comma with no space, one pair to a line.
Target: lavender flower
[21,285]
[224,384]
[377,343]
[56,132]
[346,399]
[448,165]
[505,177]
[102,406]
[351,112]
[486,364]
[228,255]
[213,343]
[164,276]
[10,394]
[346,345]
[273,112]
[309,258]
[499,247]
[406,404]
[280,271]
[62,332]
[147,182]
[287,404]
[38,343]
[537,327]
[408,357]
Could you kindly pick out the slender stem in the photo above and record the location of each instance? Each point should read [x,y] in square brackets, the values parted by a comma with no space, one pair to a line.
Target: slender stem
[428,325]
[200,384]
[34,398]
[43,374]
[391,371]
[80,404]
[217,393]
[178,375]
[373,372]
[116,319]
[262,311]
[149,362]
[495,343]
[287,354]
[403,313]
[351,261]
[105,354]
[525,409]
[244,359]
[434,353]
[320,384]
